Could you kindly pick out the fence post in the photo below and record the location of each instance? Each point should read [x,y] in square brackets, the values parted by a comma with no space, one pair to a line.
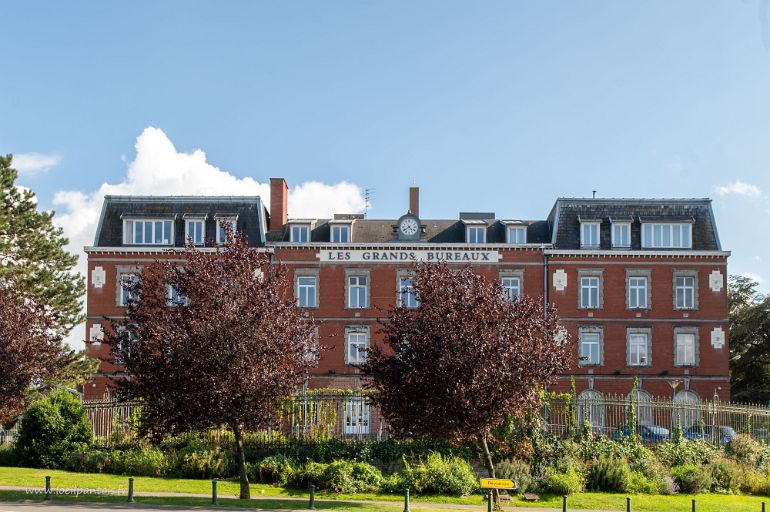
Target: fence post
[130,490]
[406,500]
[763,506]
[628,504]
[693,505]
[564,503]
[311,505]
[489,501]
[48,488]
[214,492]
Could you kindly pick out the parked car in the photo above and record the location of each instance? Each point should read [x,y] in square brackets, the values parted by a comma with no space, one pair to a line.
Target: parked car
[721,433]
[647,433]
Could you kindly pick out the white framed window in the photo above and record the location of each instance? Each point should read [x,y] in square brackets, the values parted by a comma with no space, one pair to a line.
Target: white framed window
[666,236]
[125,281]
[125,339]
[685,347]
[684,292]
[357,416]
[358,291]
[195,231]
[148,232]
[621,235]
[476,234]
[407,296]
[224,223]
[356,345]
[516,234]
[340,234]
[589,234]
[174,297]
[686,413]
[643,407]
[590,346]
[590,291]
[511,287]
[307,291]
[638,347]
[591,407]
[637,292]
[299,233]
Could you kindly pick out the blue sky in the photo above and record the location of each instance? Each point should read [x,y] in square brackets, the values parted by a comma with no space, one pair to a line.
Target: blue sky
[491,106]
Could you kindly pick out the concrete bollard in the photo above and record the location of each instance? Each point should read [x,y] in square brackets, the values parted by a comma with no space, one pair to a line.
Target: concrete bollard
[406,500]
[130,490]
[214,492]
[311,505]
[48,488]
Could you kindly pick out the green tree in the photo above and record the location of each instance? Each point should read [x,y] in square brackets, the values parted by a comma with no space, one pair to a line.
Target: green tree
[749,341]
[32,255]
[51,429]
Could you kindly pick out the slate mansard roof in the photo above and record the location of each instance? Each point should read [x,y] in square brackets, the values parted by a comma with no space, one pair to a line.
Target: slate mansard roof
[564,220]
[249,211]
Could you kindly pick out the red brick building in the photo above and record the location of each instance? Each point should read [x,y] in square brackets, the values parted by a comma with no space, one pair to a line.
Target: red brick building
[640,283]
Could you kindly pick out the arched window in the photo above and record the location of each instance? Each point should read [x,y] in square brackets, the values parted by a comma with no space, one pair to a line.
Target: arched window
[590,406]
[686,410]
[642,400]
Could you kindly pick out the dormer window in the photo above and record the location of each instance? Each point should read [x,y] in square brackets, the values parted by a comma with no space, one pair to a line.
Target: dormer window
[476,234]
[339,233]
[668,235]
[299,233]
[195,229]
[225,224]
[589,234]
[516,234]
[621,233]
[148,231]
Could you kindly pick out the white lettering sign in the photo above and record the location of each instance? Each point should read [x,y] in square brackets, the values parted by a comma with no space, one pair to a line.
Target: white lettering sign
[401,256]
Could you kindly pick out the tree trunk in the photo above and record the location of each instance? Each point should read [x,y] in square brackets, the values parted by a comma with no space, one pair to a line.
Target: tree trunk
[244,477]
[490,468]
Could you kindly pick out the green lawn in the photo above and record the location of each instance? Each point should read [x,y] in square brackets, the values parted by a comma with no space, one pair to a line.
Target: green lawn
[228,490]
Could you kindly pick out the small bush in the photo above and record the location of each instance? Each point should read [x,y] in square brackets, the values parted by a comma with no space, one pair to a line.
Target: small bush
[656,473]
[8,456]
[566,482]
[639,483]
[214,463]
[310,474]
[347,477]
[140,462]
[754,482]
[692,478]
[695,451]
[518,471]
[277,469]
[725,476]
[748,452]
[51,429]
[609,475]
[89,461]
[435,475]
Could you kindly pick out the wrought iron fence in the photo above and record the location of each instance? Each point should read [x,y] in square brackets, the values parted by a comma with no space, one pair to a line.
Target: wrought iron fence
[657,418]
[8,435]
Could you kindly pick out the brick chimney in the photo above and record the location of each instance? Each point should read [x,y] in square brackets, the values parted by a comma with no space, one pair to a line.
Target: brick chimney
[414,200]
[279,203]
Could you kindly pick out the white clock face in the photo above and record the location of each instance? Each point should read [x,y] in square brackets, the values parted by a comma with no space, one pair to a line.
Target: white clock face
[409,226]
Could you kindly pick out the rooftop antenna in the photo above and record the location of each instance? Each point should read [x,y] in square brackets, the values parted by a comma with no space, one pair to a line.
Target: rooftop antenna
[368,193]
[594,194]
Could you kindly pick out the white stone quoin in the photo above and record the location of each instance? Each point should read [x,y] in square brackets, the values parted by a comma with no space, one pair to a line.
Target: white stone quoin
[716,281]
[560,280]
[717,338]
[98,276]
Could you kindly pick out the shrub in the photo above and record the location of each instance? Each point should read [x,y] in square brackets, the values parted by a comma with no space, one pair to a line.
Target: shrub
[214,463]
[695,451]
[566,482]
[309,474]
[754,482]
[89,461]
[435,475]
[518,471]
[692,478]
[725,476]
[51,429]
[140,462]
[639,483]
[657,474]
[277,469]
[609,475]
[8,456]
[351,477]
[748,452]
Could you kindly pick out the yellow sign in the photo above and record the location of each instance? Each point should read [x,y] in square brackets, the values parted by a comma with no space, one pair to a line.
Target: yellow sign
[496,483]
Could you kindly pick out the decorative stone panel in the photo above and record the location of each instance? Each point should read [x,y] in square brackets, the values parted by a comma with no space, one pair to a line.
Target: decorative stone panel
[560,280]
[98,277]
[717,338]
[716,281]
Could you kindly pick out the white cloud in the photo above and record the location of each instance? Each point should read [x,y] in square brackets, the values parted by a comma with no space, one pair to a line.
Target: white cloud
[755,277]
[740,188]
[159,169]
[33,163]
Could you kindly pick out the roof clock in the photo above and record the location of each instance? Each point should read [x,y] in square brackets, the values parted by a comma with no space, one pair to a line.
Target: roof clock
[409,227]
